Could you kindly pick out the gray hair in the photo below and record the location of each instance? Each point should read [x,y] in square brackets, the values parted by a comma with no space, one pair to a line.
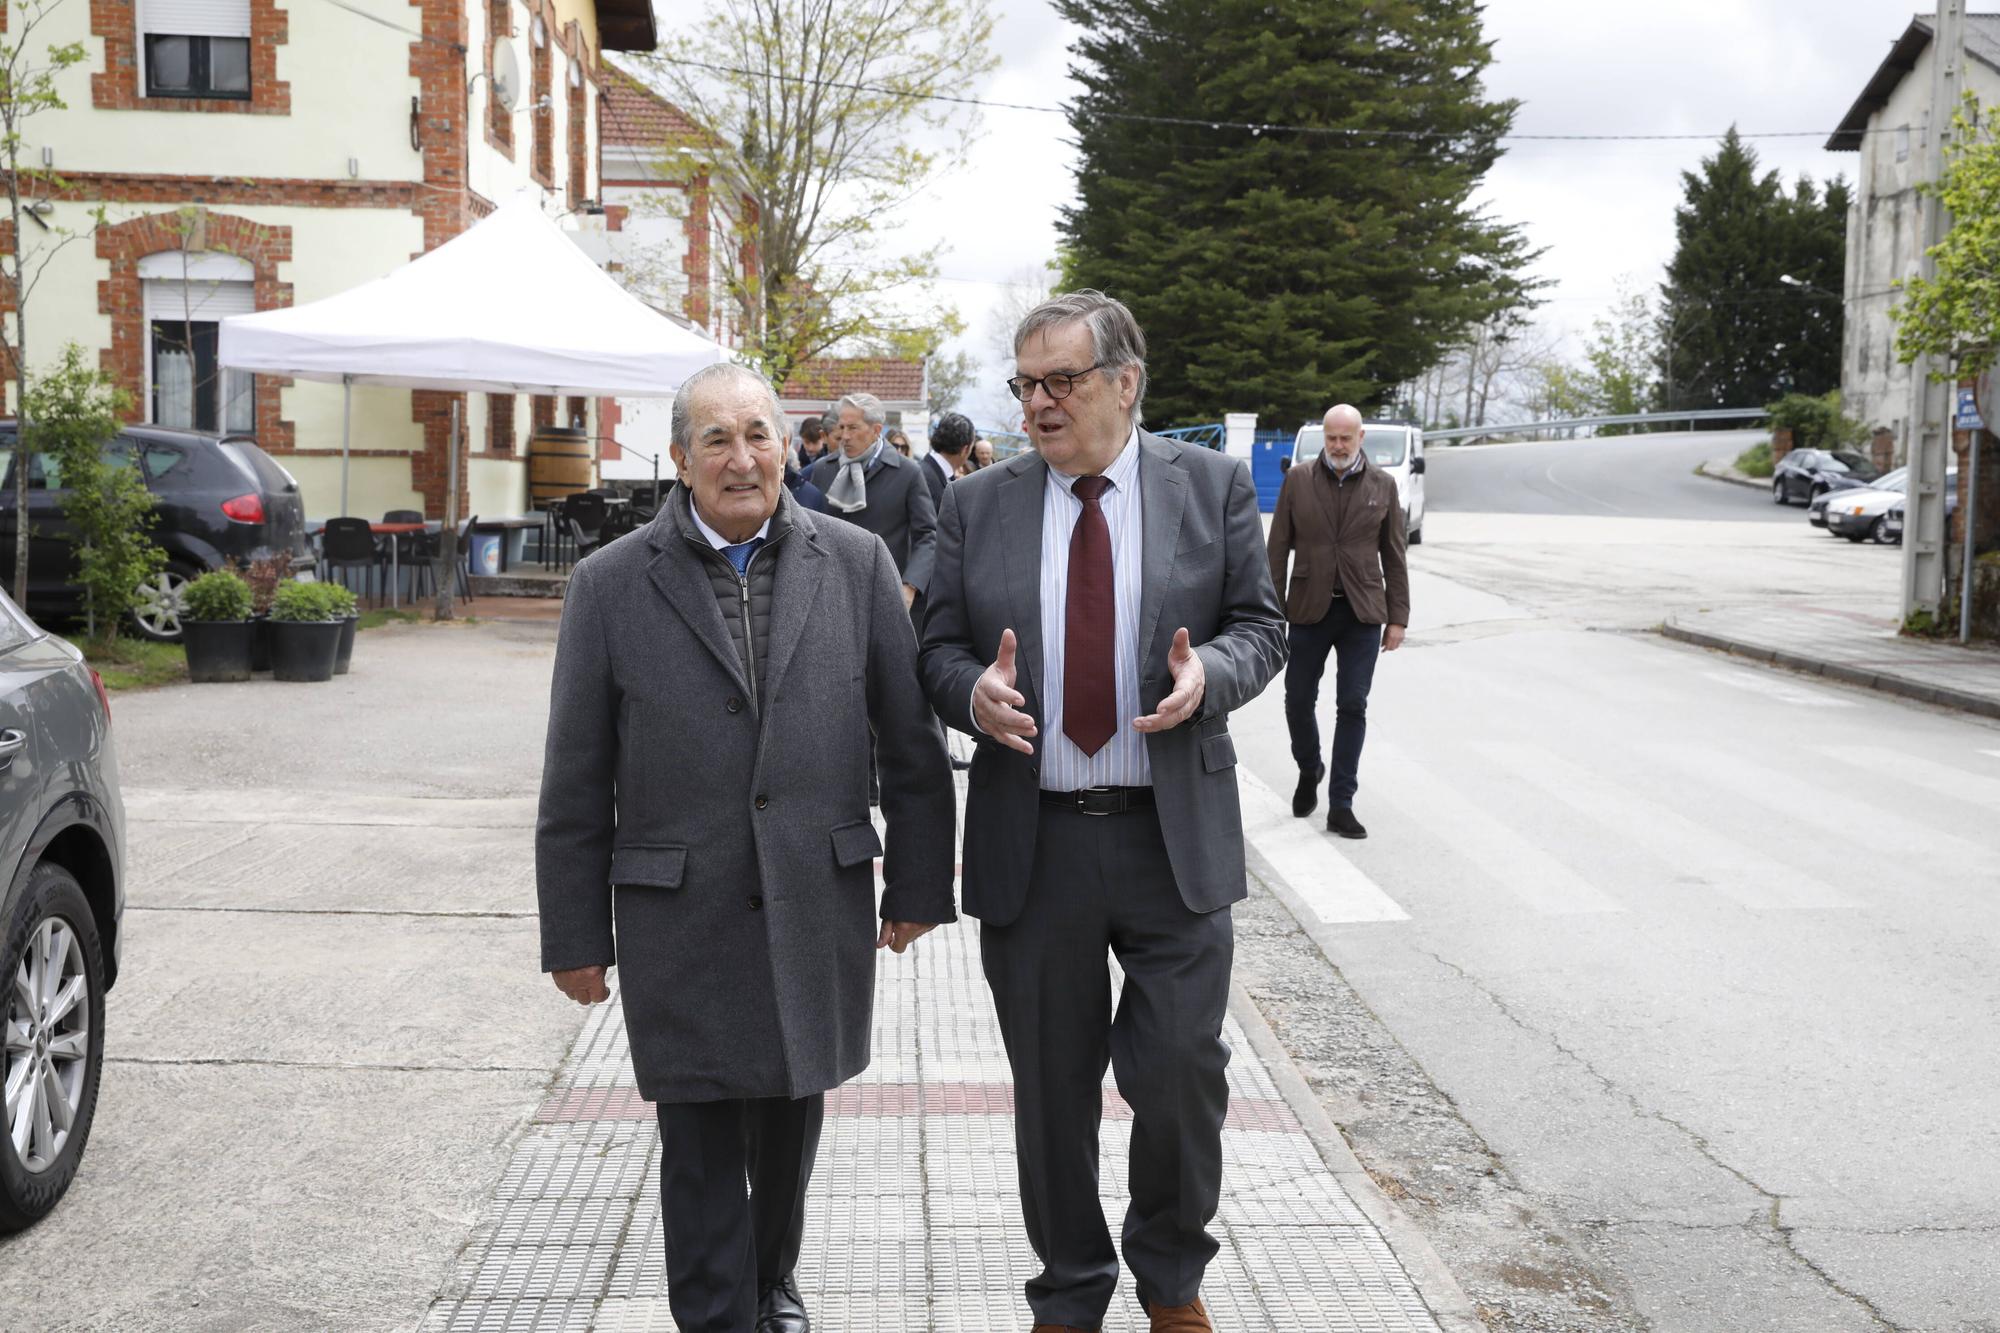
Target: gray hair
[1115,338]
[683,417]
[867,404]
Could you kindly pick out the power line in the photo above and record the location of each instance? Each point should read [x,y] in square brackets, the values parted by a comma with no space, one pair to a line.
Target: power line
[1254,127]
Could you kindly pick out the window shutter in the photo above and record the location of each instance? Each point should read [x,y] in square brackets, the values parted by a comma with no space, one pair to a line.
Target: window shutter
[203,300]
[196,18]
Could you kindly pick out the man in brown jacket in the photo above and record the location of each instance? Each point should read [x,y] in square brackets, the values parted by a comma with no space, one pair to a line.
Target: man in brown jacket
[1340,525]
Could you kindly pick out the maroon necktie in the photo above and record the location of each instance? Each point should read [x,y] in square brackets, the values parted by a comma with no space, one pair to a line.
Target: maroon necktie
[1090,692]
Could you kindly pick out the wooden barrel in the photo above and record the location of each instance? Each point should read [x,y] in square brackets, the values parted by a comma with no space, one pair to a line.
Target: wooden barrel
[559,463]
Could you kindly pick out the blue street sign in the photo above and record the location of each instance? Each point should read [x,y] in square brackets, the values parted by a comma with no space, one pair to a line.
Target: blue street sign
[1968,413]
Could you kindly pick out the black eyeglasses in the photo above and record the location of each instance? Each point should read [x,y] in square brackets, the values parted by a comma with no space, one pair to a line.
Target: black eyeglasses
[1058,383]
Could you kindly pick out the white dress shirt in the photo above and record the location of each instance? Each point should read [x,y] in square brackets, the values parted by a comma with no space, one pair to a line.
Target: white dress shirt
[716,539]
[1122,762]
[944,468]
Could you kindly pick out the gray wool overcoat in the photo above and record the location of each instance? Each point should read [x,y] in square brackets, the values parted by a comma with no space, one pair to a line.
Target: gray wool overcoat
[721,853]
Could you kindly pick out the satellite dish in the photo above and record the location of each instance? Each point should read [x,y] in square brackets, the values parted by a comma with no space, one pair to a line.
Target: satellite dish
[506,73]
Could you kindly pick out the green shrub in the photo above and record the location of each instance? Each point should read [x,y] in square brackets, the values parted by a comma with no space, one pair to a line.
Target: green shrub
[218,595]
[302,601]
[1755,461]
[342,599]
[1816,422]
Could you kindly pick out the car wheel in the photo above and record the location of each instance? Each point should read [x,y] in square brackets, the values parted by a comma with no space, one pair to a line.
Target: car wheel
[1815,493]
[1778,496]
[52,1005]
[156,607]
[1879,531]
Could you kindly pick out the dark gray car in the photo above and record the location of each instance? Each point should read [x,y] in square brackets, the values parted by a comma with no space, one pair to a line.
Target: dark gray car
[62,894]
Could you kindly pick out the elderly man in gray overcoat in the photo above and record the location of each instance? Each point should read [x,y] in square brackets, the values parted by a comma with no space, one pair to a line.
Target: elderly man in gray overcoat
[704,824]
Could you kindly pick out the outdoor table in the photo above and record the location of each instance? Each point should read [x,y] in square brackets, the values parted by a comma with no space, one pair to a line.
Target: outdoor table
[392,531]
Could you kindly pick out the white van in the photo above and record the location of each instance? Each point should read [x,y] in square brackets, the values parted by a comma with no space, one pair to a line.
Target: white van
[1396,447]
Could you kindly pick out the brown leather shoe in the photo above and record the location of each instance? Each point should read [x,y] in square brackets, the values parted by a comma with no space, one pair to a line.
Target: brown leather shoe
[1181,1318]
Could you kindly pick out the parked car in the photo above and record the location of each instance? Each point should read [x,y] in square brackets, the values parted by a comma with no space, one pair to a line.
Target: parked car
[1803,474]
[216,496]
[1891,528]
[1888,481]
[1397,447]
[62,852]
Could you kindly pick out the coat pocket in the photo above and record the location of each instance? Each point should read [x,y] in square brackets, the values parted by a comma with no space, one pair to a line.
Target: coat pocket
[855,844]
[662,867]
[1218,752]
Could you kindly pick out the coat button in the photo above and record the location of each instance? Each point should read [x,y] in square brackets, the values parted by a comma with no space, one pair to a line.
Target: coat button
[756,903]
[735,705]
[763,801]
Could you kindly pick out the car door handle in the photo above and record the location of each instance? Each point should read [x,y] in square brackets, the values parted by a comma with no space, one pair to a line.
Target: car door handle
[11,743]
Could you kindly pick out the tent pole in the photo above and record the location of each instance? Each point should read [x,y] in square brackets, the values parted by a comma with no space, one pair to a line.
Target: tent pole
[346,421]
[447,574]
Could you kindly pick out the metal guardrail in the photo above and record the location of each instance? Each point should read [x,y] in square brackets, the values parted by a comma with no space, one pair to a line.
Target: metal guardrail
[1572,423]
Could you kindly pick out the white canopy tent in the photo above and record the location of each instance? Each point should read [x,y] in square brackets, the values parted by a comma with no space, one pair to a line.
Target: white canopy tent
[511,305]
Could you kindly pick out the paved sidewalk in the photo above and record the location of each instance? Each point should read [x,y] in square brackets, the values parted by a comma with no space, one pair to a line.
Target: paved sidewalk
[1854,648]
[914,1222]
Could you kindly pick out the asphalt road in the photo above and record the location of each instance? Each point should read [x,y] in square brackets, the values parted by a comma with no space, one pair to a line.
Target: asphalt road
[1684,965]
[1625,476]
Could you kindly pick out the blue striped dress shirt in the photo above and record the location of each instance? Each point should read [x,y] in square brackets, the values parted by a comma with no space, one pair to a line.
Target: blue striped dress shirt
[1123,761]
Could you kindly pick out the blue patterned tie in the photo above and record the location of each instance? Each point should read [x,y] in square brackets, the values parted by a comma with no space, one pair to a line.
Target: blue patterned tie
[739,554]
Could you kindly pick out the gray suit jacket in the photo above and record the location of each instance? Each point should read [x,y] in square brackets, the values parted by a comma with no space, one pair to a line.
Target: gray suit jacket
[1205,569]
[899,511]
[721,854]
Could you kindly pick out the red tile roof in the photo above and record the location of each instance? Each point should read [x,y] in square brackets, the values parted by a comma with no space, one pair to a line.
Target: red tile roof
[635,114]
[827,378]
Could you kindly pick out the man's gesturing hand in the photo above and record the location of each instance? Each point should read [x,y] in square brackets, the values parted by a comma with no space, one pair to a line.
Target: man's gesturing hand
[585,985]
[900,935]
[996,704]
[1190,684]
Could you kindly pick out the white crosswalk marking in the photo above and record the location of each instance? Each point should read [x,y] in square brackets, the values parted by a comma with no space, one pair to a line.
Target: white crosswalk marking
[1739,872]
[1499,849]
[1772,686]
[1331,887]
[1943,779]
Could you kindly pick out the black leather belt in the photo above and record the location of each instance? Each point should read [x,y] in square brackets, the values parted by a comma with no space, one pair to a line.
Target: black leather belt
[1101,800]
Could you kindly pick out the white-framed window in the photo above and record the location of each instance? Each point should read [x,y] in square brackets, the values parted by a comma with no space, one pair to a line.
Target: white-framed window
[186,296]
[195,48]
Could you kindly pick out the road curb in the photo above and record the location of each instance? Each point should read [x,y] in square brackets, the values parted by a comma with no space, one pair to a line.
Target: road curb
[1881,681]
[1702,470]
[1439,1290]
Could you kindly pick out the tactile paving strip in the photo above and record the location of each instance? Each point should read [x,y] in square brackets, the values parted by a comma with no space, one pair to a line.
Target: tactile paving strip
[913,1225]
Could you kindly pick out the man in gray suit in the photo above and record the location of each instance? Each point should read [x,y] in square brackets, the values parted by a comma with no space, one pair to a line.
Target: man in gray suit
[1099,607]
[874,487]
[704,824]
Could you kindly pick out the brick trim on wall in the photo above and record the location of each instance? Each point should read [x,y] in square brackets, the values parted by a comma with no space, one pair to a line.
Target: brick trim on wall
[122,245]
[500,424]
[116,87]
[499,120]
[577,121]
[139,188]
[541,60]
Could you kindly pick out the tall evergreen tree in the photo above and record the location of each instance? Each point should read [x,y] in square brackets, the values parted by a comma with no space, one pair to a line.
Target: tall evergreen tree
[1276,271]
[1733,332]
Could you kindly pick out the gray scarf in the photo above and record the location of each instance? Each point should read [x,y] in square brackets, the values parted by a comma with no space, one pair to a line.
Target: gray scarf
[849,492]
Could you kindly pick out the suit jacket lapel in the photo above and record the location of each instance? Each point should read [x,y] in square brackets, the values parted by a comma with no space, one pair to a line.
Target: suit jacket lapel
[1162,501]
[1021,538]
[676,571]
[796,591]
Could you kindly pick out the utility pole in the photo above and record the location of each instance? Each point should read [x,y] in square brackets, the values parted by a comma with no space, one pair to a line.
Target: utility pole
[1931,398]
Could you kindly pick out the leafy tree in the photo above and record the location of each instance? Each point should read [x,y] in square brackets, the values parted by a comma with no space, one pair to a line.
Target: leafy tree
[1276,271]
[947,378]
[1620,360]
[72,413]
[812,114]
[1732,330]
[27,89]
[1955,315]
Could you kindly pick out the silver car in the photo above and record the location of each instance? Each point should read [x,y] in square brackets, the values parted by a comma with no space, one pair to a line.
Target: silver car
[62,895]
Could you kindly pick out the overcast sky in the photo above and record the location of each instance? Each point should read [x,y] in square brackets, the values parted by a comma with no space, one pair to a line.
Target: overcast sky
[1602,210]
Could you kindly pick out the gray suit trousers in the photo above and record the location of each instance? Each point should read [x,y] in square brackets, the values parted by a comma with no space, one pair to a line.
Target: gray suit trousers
[1103,883]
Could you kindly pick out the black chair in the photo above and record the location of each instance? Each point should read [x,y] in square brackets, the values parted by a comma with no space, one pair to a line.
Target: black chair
[427,553]
[407,543]
[583,519]
[348,543]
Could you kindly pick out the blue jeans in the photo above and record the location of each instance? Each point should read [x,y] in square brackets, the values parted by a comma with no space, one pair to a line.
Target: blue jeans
[1355,646]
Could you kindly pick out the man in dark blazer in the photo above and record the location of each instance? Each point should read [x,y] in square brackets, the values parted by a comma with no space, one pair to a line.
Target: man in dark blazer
[1099,607]
[950,438]
[704,824]
[874,487]
[1340,526]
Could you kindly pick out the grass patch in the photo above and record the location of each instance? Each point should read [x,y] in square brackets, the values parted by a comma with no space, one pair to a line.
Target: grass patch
[1755,461]
[127,663]
[382,615]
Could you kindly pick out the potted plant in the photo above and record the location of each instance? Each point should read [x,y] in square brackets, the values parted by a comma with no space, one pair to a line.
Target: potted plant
[345,609]
[305,634]
[216,627]
[264,574]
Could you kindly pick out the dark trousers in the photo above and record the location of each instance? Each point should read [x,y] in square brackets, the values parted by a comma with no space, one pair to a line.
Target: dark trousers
[1355,645]
[726,1243]
[1103,883]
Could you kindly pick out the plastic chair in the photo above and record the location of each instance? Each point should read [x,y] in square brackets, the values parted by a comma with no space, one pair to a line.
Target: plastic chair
[424,566]
[583,517]
[348,543]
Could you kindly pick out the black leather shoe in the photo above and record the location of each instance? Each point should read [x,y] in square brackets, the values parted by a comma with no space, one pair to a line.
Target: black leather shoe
[1341,820]
[779,1309]
[1306,795]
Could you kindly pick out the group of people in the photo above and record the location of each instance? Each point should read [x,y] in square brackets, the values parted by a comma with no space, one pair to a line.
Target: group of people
[732,681]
